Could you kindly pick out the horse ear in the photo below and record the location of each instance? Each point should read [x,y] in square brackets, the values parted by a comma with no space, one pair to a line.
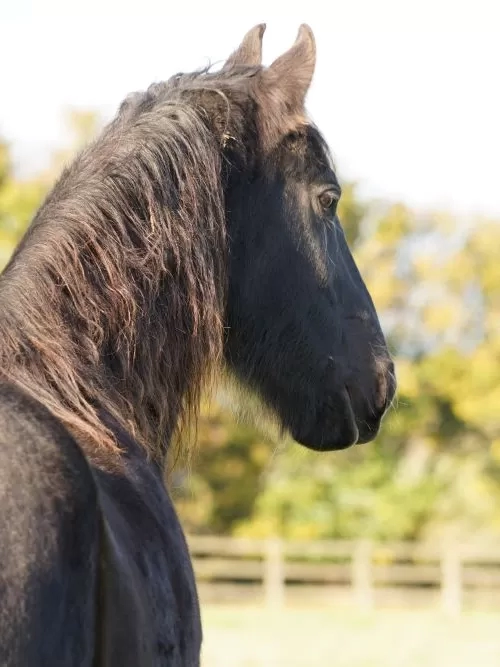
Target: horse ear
[290,75]
[249,52]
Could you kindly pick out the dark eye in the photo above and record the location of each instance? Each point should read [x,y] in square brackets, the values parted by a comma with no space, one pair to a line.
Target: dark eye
[328,201]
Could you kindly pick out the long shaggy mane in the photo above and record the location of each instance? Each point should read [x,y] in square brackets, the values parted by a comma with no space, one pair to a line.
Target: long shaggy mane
[114,300]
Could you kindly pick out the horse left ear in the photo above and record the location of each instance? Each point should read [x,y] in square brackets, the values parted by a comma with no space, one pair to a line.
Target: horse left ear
[290,75]
[249,53]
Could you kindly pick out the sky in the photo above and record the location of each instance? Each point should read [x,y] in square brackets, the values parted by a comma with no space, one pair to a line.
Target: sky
[406,92]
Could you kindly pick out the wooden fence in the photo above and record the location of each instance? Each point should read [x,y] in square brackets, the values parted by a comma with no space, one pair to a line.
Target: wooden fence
[360,573]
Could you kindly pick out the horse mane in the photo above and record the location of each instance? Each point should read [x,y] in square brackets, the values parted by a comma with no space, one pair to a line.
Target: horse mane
[114,300]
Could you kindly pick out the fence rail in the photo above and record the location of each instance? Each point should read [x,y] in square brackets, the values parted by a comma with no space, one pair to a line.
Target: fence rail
[360,573]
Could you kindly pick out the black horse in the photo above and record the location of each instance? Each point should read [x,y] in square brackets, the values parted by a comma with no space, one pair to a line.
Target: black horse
[197,234]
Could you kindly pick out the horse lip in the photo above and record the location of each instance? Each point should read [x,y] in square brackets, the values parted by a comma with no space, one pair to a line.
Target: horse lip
[339,443]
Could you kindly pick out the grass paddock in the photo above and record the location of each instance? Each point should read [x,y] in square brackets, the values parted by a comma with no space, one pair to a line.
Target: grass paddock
[256,637]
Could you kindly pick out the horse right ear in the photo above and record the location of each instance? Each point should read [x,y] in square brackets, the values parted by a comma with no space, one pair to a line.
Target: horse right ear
[289,77]
[249,52]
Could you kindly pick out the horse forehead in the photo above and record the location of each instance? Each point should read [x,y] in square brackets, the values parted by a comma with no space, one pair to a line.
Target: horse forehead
[305,153]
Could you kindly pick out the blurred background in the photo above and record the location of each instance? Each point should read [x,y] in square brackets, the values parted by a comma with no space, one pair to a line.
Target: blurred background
[382,555]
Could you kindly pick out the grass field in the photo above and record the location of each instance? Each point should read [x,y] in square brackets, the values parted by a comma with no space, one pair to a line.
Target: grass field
[254,637]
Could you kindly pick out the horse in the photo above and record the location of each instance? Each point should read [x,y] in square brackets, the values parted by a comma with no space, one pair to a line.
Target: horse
[198,235]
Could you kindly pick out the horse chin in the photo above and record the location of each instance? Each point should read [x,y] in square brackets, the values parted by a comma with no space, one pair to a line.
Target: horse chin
[323,444]
[335,427]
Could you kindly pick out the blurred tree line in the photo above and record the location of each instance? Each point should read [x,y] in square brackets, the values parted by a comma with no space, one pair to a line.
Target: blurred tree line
[435,466]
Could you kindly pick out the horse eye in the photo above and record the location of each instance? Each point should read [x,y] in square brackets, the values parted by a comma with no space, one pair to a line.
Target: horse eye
[328,201]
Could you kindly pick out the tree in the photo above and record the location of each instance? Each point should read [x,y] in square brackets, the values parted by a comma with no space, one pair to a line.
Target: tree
[20,198]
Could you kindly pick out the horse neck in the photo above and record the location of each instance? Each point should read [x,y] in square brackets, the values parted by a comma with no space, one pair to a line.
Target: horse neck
[115,296]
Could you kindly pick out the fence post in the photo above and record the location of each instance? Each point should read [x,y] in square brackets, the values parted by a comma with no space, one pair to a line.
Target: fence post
[274,575]
[362,575]
[451,580]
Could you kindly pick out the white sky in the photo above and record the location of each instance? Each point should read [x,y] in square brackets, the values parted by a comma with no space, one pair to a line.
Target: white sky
[407,92]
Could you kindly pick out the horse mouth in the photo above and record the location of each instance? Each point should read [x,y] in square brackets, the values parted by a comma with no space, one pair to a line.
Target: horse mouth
[336,426]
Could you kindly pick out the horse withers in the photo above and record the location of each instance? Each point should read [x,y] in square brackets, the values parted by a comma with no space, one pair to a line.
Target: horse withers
[197,234]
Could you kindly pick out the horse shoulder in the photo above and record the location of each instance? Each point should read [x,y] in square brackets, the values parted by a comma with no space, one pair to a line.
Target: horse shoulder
[49,539]
[148,608]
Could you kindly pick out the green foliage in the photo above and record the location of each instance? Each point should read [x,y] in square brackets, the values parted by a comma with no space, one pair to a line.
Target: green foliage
[18,201]
[351,212]
[229,464]
[350,494]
